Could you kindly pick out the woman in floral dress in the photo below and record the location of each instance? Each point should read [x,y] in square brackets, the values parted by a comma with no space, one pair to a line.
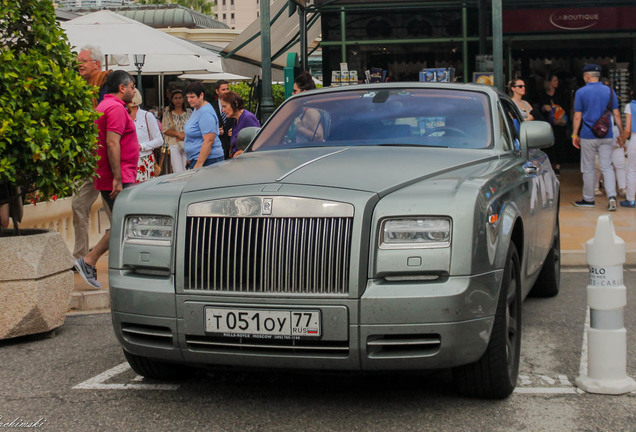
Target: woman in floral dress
[174,119]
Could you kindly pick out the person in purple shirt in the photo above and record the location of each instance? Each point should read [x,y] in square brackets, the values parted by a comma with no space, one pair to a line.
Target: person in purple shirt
[232,105]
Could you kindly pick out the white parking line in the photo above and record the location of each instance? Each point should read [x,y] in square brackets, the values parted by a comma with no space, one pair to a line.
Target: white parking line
[99,382]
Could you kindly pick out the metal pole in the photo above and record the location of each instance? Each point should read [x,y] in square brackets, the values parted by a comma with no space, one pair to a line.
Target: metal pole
[483,34]
[465,42]
[267,103]
[343,37]
[497,43]
[304,62]
[139,89]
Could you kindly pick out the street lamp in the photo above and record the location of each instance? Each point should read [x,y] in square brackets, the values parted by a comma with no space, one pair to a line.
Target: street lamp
[139,60]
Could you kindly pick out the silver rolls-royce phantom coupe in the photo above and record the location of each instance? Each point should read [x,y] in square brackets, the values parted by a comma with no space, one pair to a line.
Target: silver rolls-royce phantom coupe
[387,227]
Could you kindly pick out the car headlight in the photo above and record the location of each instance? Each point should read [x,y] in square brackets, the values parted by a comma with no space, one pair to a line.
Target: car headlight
[150,230]
[414,233]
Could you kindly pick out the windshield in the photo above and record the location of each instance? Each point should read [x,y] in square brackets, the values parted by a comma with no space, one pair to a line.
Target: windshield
[390,117]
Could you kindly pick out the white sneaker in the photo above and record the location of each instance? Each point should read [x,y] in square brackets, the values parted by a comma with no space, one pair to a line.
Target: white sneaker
[612,204]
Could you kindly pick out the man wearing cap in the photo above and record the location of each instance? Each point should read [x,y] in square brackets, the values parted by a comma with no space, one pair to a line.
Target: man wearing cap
[590,102]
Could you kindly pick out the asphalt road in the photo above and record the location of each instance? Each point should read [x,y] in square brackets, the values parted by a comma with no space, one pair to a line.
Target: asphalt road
[79,381]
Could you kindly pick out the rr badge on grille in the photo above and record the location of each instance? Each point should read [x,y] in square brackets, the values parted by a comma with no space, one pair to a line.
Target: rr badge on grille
[267,206]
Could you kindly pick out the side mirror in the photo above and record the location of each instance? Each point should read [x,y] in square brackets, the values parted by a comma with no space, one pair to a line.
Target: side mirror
[245,137]
[536,134]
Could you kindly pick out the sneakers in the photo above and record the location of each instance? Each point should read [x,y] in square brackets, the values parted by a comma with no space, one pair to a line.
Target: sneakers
[598,192]
[628,203]
[88,272]
[584,203]
[612,204]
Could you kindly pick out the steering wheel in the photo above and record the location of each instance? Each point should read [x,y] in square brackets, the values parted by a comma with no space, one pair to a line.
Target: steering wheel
[448,130]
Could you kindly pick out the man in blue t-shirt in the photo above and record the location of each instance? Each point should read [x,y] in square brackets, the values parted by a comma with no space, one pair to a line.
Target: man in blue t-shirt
[590,102]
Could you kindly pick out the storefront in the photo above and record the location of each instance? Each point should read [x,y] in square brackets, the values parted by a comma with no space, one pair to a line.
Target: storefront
[403,37]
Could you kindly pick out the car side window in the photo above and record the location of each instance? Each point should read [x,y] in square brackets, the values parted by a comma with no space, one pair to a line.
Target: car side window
[504,128]
[512,117]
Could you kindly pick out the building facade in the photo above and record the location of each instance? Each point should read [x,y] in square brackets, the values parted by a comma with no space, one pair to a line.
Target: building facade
[91,3]
[237,14]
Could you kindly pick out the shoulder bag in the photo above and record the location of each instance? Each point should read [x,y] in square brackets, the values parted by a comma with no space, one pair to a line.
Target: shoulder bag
[603,125]
[158,160]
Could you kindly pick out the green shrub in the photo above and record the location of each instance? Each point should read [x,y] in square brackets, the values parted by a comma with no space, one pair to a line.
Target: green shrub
[47,130]
[244,89]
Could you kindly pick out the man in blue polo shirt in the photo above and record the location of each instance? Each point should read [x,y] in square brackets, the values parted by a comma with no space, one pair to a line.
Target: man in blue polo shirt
[590,102]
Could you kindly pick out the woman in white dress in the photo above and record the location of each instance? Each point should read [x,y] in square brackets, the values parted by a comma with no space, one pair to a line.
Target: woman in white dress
[149,137]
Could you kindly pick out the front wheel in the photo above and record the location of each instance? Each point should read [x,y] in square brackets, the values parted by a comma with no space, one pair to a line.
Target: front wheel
[494,375]
[155,369]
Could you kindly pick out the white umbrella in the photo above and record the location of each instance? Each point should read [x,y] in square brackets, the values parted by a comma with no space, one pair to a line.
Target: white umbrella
[116,34]
[169,64]
[214,77]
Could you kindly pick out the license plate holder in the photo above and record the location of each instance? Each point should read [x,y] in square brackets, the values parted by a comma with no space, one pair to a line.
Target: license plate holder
[263,323]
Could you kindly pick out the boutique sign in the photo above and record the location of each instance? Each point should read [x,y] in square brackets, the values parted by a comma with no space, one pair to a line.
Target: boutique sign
[574,21]
[569,20]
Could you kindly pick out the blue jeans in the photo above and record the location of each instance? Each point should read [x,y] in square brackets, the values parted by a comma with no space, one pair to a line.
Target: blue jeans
[208,162]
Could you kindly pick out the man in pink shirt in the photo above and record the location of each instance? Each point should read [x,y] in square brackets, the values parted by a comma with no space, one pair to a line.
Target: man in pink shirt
[118,153]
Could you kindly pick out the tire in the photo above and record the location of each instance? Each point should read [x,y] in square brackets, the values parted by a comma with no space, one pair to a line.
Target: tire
[154,369]
[494,375]
[549,280]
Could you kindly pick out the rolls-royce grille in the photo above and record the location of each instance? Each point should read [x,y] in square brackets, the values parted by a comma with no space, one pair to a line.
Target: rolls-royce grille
[268,255]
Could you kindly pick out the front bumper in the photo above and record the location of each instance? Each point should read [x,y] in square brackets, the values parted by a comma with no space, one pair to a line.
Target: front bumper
[393,326]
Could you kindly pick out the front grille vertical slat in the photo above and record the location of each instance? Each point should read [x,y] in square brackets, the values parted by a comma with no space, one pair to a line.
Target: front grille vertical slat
[216,241]
[301,259]
[338,256]
[265,261]
[197,254]
[255,258]
[330,260]
[227,254]
[301,255]
[294,256]
[288,256]
[309,259]
[316,235]
[235,259]
[345,259]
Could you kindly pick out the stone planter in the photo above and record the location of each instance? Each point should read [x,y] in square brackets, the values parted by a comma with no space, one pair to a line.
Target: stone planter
[36,282]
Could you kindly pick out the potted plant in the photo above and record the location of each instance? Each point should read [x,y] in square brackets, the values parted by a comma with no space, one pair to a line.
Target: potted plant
[47,145]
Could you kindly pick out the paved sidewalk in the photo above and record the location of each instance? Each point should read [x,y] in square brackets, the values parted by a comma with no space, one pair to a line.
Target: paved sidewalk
[578,225]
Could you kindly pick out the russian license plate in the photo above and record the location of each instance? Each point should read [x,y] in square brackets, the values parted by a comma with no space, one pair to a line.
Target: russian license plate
[262,322]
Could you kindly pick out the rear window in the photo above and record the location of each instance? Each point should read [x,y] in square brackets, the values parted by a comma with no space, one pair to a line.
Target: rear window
[395,117]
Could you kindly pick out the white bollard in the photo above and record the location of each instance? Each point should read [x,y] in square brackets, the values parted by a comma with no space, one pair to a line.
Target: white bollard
[606,297]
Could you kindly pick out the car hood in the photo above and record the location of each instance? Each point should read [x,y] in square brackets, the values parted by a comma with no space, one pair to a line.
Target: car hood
[372,169]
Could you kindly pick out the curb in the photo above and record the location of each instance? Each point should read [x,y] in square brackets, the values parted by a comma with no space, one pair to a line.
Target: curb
[578,258]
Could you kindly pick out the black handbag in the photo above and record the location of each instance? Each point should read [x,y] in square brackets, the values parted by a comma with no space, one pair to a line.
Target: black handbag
[603,125]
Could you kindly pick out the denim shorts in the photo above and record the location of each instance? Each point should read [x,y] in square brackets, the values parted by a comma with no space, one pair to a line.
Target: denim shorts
[106,196]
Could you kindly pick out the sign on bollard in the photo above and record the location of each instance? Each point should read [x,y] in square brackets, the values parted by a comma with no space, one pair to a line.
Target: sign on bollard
[606,297]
